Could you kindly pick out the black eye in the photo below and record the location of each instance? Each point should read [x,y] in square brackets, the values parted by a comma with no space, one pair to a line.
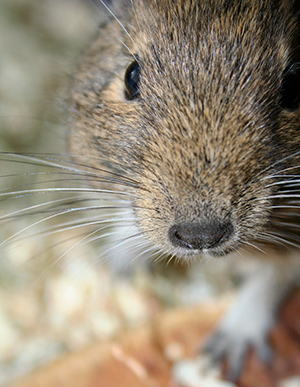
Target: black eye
[290,88]
[132,78]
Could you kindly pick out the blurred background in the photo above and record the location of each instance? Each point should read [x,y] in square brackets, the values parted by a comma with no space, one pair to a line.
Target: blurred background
[56,299]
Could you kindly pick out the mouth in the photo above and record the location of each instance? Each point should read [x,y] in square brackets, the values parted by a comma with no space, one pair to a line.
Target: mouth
[204,253]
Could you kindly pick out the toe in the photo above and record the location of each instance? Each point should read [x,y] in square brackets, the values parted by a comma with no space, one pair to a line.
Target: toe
[236,360]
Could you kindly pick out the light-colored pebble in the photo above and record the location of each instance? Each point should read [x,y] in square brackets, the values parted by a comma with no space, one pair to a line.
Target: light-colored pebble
[195,373]
[292,382]
[9,335]
[174,351]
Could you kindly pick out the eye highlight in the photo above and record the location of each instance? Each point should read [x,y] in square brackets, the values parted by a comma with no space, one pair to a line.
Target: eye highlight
[290,88]
[132,80]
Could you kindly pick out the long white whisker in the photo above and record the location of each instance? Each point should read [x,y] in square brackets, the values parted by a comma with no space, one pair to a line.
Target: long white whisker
[121,242]
[121,25]
[290,182]
[42,234]
[279,196]
[275,207]
[280,239]
[65,204]
[266,237]
[67,211]
[159,257]
[80,176]
[278,162]
[286,224]
[278,173]
[170,259]
[254,246]
[92,219]
[44,159]
[284,182]
[144,252]
[21,193]
[17,212]
[72,247]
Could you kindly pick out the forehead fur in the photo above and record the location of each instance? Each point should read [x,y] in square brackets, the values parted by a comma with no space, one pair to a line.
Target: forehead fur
[168,26]
[199,51]
[187,34]
[175,18]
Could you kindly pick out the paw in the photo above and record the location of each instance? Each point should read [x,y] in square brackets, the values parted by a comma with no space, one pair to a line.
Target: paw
[233,347]
[249,321]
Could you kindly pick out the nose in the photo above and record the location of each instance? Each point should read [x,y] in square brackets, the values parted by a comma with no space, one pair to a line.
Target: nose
[199,236]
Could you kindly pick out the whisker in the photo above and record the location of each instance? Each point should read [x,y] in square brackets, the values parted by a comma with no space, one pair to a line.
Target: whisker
[60,228]
[50,267]
[52,246]
[84,234]
[80,178]
[290,182]
[279,196]
[66,211]
[87,239]
[122,241]
[278,162]
[283,206]
[277,174]
[144,252]
[281,214]
[91,219]
[285,224]
[45,159]
[170,259]
[23,193]
[64,204]
[56,209]
[161,256]
[253,246]
[238,251]
[265,237]
[280,239]
[121,25]
[14,214]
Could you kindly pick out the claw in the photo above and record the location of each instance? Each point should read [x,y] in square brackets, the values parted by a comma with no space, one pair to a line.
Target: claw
[233,350]
[215,347]
[210,343]
[236,362]
[265,352]
[220,349]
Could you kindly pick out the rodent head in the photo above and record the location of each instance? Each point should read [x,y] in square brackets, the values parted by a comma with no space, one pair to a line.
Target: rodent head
[207,121]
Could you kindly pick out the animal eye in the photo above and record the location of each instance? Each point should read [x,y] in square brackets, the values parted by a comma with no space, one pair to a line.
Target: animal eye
[132,80]
[290,88]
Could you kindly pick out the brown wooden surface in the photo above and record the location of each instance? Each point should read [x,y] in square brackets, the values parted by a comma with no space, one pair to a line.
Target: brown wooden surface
[143,358]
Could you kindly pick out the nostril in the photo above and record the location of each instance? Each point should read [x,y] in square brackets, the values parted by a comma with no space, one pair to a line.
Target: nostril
[198,236]
[180,240]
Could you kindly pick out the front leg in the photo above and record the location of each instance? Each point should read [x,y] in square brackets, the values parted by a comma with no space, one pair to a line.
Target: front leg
[248,322]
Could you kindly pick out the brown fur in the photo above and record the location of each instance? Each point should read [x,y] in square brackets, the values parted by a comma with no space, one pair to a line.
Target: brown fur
[208,127]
